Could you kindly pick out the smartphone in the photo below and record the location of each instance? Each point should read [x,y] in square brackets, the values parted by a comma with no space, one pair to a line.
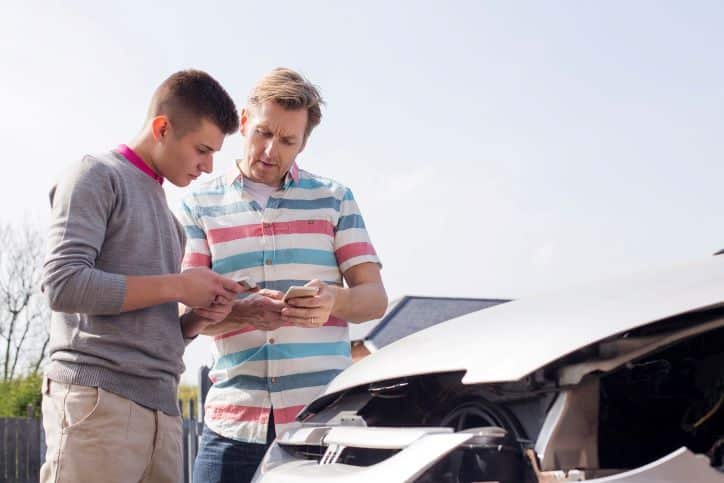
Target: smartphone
[296,291]
[248,283]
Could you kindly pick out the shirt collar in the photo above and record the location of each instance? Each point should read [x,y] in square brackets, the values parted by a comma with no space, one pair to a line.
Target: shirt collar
[136,160]
[234,173]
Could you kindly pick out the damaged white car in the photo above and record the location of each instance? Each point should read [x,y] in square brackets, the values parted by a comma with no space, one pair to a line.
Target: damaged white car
[621,381]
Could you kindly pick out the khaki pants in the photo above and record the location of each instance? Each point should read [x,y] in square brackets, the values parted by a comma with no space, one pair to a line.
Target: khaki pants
[96,436]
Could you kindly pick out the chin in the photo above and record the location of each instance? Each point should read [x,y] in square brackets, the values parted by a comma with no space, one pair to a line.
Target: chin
[181,183]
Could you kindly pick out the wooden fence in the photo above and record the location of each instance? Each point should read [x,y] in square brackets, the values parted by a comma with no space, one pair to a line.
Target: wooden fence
[20,450]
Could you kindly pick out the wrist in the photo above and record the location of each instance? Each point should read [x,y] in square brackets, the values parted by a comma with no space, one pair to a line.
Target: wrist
[174,288]
[192,324]
[341,294]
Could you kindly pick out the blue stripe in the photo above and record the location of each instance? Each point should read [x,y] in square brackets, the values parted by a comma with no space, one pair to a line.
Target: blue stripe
[305,256]
[350,221]
[348,196]
[220,210]
[238,262]
[316,204]
[193,231]
[282,383]
[273,352]
[311,184]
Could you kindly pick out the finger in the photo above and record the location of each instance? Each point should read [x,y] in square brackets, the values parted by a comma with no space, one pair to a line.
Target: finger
[225,295]
[306,302]
[295,312]
[272,294]
[314,283]
[231,286]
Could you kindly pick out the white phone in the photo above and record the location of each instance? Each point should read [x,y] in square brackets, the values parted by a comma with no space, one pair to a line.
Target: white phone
[296,291]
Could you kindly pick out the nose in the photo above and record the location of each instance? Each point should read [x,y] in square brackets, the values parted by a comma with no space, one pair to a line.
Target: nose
[207,164]
[270,148]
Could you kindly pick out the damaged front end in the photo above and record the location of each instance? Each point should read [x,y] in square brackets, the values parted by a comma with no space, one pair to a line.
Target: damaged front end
[639,407]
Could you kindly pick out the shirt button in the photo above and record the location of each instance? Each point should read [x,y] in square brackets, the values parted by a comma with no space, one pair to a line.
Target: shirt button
[271,341]
[268,261]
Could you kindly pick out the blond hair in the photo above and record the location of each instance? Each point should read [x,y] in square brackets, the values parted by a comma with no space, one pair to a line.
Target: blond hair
[290,90]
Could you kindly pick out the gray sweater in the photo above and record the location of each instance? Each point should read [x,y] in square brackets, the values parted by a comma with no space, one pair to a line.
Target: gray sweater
[109,220]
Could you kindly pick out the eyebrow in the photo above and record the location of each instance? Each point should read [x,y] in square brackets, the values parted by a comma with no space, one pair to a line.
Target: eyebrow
[208,147]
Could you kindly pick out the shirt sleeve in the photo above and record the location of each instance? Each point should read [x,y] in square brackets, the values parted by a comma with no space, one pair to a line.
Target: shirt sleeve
[352,245]
[197,253]
[81,205]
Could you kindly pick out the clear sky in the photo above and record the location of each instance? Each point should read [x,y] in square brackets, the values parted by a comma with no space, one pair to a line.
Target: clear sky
[496,148]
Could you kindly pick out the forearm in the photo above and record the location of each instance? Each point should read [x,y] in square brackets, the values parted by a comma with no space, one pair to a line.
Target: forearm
[79,289]
[222,327]
[360,303]
[147,291]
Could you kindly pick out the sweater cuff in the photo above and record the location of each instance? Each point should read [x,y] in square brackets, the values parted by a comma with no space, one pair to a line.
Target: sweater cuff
[111,293]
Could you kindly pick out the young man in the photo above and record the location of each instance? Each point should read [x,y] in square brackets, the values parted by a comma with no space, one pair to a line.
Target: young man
[112,278]
[282,226]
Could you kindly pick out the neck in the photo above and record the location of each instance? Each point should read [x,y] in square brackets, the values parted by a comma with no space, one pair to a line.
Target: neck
[143,147]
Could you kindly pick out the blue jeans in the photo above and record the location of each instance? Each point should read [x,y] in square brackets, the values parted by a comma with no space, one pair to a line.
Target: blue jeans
[224,460]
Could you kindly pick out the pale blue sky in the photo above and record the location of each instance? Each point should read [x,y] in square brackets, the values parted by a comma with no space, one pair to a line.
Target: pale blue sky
[496,148]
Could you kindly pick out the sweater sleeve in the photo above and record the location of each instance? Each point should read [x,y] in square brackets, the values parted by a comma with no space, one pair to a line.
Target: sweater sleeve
[81,205]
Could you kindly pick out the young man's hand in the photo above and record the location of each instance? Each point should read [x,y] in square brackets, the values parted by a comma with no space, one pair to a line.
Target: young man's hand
[216,313]
[311,311]
[201,287]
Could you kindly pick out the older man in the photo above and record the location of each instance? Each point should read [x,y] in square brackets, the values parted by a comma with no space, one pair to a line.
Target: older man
[282,226]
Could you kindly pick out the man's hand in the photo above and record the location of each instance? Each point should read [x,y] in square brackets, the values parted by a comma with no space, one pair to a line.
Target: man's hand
[311,311]
[262,310]
[215,313]
[201,287]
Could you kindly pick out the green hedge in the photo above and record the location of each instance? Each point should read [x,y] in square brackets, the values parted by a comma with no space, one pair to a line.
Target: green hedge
[15,396]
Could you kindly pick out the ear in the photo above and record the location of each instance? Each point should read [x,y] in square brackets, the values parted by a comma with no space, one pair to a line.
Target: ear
[160,127]
[243,121]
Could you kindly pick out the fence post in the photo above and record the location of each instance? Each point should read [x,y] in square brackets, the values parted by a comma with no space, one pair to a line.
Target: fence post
[204,386]
[192,440]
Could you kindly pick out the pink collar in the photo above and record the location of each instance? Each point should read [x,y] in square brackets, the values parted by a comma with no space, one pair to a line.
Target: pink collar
[136,160]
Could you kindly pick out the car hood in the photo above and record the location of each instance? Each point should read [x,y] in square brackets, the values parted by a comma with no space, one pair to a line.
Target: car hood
[509,341]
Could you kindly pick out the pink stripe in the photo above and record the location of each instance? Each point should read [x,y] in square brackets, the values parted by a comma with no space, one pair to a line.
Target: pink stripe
[332,322]
[286,415]
[192,260]
[253,414]
[234,412]
[220,235]
[294,171]
[353,250]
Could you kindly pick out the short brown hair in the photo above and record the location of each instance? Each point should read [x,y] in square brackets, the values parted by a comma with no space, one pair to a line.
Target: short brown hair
[190,95]
[291,91]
